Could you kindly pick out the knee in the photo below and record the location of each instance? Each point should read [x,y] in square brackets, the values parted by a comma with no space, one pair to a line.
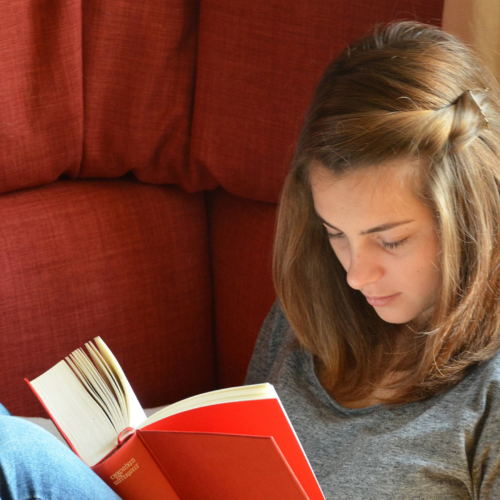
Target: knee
[18,435]
[34,464]
[27,453]
[3,410]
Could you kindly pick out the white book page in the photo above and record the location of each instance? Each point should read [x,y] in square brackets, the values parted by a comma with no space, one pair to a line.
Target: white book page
[136,414]
[109,378]
[97,386]
[230,395]
[77,414]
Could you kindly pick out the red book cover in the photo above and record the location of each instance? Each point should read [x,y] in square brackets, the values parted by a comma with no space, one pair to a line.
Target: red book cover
[164,465]
[134,474]
[264,417]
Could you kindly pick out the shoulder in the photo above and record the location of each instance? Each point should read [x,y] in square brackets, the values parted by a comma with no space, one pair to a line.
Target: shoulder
[483,381]
[276,325]
[486,463]
[479,391]
[274,338]
[476,400]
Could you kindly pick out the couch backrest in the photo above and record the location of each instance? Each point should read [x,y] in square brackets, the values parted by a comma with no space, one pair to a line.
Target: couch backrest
[99,89]
[258,64]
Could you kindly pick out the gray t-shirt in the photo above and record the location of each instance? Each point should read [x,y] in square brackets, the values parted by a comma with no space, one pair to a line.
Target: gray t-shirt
[446,447]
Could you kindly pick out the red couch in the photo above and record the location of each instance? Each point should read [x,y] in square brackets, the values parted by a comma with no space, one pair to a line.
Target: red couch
[143,146]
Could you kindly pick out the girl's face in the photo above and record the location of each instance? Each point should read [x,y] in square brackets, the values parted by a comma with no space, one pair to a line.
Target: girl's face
[383,236]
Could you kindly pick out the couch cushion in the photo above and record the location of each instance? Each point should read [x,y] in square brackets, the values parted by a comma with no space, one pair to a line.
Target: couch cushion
[97,89]
[258,63]
[122,260]
[139,64]
[41,102]
[241,244]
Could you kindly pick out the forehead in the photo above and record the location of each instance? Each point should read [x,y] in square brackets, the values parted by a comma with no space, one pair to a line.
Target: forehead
[385,190]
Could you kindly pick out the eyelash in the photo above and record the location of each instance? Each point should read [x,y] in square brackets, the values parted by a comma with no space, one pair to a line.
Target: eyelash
[389,246]
[332,236]
[396,244]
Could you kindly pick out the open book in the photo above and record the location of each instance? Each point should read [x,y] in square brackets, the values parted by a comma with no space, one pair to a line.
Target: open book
[235,443]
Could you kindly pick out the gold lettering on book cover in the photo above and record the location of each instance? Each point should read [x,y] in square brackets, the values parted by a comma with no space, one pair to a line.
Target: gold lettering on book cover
[126,471]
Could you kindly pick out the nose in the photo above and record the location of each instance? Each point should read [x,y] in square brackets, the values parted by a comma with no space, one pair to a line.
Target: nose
[364,269]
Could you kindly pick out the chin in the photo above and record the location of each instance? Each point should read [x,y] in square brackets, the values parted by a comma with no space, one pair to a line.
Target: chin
[395,321]
[396,317]
[400,317]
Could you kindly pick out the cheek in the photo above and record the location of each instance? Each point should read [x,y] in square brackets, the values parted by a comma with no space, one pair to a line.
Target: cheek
[426,275]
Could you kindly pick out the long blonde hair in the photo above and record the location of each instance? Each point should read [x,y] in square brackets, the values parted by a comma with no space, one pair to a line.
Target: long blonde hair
[406,91]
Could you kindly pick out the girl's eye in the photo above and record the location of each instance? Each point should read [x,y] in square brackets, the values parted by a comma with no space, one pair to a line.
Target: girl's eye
[333,236]
[396,244]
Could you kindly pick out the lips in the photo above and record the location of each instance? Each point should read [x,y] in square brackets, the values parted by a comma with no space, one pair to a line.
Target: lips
[382,301]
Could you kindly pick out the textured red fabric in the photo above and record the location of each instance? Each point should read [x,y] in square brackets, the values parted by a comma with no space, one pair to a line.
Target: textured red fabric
[139,65]
[241,247]
[122,260]
[258,63]
[41,108]
[132,110]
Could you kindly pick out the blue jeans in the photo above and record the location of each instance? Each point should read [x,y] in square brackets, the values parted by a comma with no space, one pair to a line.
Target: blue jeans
[34,465]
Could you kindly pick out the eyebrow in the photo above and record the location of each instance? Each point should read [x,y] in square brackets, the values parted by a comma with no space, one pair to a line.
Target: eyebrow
[376,229]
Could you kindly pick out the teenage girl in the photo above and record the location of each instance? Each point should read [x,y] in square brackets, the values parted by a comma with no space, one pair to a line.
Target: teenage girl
[383,342]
